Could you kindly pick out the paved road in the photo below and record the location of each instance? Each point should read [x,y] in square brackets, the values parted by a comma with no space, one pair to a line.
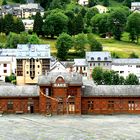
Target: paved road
[37,127]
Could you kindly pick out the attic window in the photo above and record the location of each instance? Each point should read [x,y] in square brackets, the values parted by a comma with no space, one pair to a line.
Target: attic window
[92,58]
[99,58]
[105,58]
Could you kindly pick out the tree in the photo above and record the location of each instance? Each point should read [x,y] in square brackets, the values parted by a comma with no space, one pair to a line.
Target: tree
[55,24]
[94,44]
[38,23]
[106,2]
[18,26]
[33,39]
[90,13]
[132,79]
[99,23]
[97,75]
[44,3]
[133,55]
[91,3]
[1,25]
[8,24]
[79,24]
[4,2]
[63,44]
[80,41]
[133,26]
[116,23]
[127,3]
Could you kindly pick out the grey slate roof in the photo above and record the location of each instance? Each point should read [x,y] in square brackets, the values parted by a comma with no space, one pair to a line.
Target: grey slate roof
[93,56]
[112,91]
[80,62]
[27,51]
[8,52]
[126,61]
[19,91]
[70,78]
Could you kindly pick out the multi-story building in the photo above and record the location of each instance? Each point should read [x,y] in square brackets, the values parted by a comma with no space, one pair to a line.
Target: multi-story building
[22,11]
[98,59]
[7,62]
[126,66]
[28,24]
[81,66]
[83,2]
[32,61]
[135,6]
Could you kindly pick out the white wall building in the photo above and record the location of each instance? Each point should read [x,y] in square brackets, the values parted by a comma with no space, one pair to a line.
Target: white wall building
[7,62]
[135,6]
[83,2]
[126,66]
[28,24]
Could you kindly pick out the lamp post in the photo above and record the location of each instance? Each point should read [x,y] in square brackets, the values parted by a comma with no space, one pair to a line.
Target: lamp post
[69,96]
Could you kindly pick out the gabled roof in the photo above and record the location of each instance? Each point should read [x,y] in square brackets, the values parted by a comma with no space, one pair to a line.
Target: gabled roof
[80,62]
[70,78]
[112,91]
[94,56]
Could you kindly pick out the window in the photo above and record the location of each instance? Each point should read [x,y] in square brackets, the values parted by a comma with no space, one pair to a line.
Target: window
[5,71]
[90,64]
[5,65]
[99,58]
[92,58]
[121,71]
[19,67]
[110,104]
[137,66]
[98,64]
[84,68]
[10,105]
[90,105]
[76,68]
[105,58]
[27,72]
[131,105]
[38,66]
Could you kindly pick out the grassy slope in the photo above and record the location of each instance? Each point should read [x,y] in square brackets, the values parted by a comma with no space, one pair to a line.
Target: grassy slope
[8,1]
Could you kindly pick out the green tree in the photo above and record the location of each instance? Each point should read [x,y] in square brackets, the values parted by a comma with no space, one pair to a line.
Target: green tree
[90,13]
[1,25]
[127,3]
[38,23]
[106,2]
[55,24]
[132,79]
[18,26]
[116,23]
[91,3]
[107,77]
[4,2]
[133,26]
[99,23]
[97,75]
[33,39]
[8,24]
[79,24]
[80,41]
[94,44]
[133,55]
[63,44]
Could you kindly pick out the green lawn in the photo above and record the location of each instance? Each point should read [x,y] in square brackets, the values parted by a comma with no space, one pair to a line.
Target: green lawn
[122,48]
[8,1]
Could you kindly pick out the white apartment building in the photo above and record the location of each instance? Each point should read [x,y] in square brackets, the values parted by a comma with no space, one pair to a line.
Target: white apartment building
[126,66]
[7,62]
[135,6]
[98,59]
[28,24]
[81,66]
[83,2]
